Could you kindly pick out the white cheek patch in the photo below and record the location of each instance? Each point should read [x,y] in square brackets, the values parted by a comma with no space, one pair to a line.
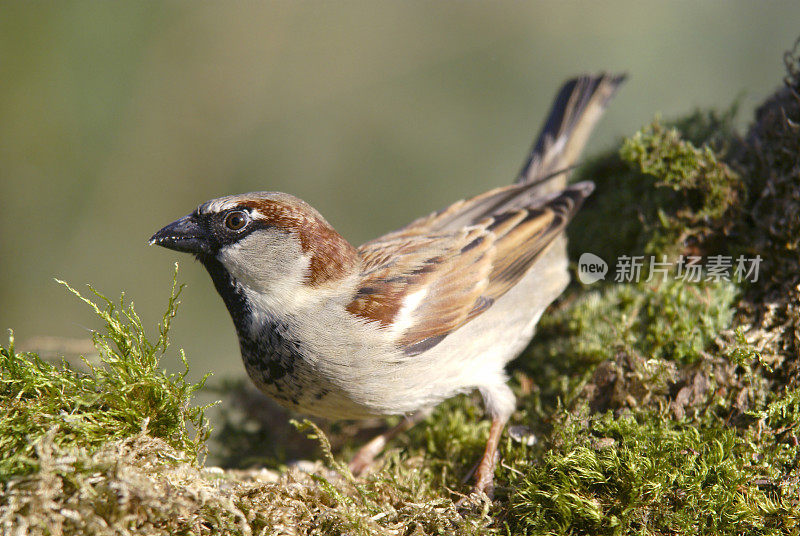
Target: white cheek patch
[232,259]
[269,263]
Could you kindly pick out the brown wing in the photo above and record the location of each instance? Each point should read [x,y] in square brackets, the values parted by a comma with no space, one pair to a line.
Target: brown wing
[425,286]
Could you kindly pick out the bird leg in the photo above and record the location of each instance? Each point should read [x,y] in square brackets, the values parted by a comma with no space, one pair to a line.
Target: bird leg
[366,454]
[484,475]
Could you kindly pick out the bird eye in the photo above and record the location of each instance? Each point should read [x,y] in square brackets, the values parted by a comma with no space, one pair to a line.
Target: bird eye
[236,220]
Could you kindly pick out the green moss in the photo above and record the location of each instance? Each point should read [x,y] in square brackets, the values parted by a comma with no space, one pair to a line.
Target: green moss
[404,495]
[649,475]
[662,193]
[629,344]
[702,189]
[115,450]
[127,393]
[711,128]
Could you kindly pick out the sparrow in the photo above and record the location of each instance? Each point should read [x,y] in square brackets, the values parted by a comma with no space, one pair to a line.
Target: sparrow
[409,319]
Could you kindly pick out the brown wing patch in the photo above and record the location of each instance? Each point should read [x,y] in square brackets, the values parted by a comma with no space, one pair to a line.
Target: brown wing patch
[428,285]
[390,268]
[453,290]
[450,272]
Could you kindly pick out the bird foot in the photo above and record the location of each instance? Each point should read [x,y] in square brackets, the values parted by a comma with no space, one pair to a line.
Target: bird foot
[363,460]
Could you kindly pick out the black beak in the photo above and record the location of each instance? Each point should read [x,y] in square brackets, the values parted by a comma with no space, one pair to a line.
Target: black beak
[184,235]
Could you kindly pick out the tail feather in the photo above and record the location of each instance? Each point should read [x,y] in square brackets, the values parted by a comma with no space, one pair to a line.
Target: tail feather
[578,106]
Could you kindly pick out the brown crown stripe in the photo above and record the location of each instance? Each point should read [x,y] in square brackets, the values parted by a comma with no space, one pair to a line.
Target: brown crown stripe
[332,257]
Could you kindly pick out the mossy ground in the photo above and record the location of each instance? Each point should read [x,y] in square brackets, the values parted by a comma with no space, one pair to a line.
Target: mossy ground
[659,407]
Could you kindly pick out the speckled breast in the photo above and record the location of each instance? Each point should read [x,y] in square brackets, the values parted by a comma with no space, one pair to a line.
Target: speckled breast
[277,365]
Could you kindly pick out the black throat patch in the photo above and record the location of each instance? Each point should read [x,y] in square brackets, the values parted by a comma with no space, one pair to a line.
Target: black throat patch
[231,294]
[273,360]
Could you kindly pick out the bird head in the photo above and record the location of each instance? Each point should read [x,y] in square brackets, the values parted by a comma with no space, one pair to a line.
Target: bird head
[269,243]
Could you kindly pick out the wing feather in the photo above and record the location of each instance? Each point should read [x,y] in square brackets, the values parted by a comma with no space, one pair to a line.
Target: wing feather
[424,282]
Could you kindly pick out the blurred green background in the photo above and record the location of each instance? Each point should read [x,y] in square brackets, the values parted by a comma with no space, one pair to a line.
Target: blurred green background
[117,118]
